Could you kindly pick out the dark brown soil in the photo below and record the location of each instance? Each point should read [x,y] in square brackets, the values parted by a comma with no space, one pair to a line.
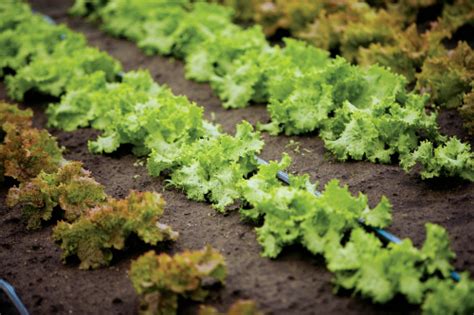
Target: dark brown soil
[295,283]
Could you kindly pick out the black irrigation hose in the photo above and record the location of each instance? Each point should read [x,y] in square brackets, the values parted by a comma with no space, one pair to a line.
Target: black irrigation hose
[10,292]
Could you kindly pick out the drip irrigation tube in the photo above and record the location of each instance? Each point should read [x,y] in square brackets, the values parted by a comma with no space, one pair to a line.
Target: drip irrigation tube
[10,292]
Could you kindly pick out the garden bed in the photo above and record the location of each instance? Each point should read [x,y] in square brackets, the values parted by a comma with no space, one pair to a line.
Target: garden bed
[295,283]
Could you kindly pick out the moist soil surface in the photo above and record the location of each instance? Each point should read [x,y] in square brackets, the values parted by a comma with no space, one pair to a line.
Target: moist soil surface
[295,283]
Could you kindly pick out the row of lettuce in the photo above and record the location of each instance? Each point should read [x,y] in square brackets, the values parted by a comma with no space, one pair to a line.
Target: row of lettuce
[93,225]
[361,113]
[212,166]
[411,42]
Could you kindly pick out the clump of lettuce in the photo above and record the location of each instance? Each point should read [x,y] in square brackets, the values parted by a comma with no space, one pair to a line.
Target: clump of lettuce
[52,74]
[449,297]
[293,214]
[71,187]
[13,115]
[448,77]
[450,159]
[160,280]
[47,180]
[45,57]
[108,225]
[209,168]
[26,151]
[360,114]
[380,272]
[32,39]
[134,111]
